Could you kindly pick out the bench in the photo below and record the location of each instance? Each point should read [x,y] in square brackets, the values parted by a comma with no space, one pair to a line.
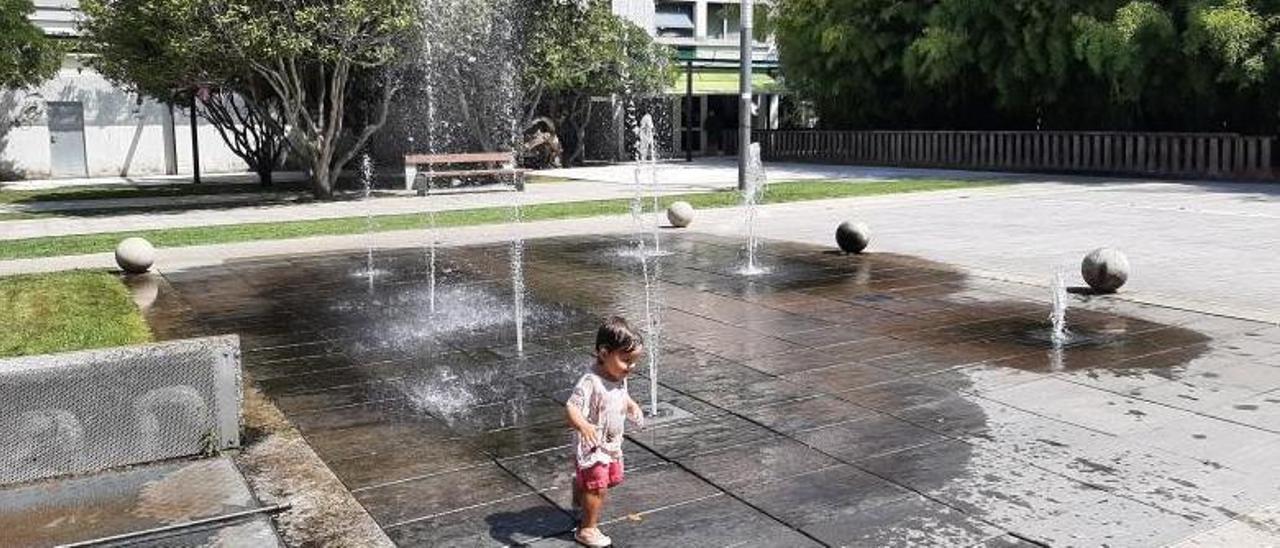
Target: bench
[468,165]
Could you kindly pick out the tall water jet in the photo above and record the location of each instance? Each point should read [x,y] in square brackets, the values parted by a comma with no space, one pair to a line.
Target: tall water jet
[511,93]
[431,262]
[756,182]
[646,170]
[366,182]
[431,149]
[1059,336]
[517,281]
[645,176]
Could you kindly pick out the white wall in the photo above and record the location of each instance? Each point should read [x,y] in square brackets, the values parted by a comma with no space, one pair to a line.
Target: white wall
[639,12]
[111,123]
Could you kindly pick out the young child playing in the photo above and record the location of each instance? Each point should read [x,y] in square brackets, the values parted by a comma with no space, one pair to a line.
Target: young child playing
[597,411]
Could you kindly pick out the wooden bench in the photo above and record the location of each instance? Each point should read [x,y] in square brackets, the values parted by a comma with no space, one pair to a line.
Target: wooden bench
[499,165]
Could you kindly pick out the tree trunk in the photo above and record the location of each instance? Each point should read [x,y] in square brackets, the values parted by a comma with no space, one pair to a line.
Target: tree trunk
[321,180]
[265,174]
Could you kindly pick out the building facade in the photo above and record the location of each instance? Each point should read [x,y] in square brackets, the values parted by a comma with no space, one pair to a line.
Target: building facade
[79,125]
[706,36]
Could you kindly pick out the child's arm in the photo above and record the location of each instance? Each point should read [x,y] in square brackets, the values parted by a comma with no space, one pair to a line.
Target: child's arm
[579,423]
[634,411]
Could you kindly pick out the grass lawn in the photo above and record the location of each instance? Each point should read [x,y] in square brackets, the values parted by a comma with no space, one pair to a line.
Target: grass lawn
[796,191]
[76,310]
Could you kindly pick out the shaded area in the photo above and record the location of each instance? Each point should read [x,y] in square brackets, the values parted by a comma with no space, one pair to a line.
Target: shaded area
[874,399]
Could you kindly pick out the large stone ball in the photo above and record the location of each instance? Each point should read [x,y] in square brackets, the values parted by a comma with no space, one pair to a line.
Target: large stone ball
[680,214]
[135,255]
[853,237]
[1105,269]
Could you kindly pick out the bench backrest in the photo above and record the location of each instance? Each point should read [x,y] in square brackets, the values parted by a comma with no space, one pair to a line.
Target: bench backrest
[465,158]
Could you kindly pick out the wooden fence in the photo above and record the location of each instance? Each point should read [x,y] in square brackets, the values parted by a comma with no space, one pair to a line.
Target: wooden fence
[1208,155]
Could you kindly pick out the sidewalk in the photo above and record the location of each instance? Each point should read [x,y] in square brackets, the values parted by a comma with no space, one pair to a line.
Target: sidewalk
[584,184]
[581,184]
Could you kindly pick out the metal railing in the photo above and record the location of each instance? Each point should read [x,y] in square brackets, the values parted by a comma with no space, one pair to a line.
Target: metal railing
[1183,155]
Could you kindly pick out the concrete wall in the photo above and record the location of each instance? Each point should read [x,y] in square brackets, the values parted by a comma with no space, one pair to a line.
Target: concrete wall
[121,136]
[92,410]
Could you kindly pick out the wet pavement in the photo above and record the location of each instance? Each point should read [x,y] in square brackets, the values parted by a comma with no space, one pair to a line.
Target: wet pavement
[128,501]
[837,400]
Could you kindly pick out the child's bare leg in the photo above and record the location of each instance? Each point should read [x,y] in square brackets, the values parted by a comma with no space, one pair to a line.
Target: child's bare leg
[577,495]
[592,501]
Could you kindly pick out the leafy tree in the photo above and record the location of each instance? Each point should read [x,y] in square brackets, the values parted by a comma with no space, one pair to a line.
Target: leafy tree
[1097,64]
[847,57]
[166,49]
[313,54]
[1127,50]
[576,51]
[27,56]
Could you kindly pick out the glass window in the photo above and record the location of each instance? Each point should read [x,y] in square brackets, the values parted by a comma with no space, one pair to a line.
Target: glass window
[674,19]
[723,21]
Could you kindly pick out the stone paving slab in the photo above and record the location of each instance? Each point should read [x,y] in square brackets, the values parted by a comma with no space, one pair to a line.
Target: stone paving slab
[106,504]
[934,419]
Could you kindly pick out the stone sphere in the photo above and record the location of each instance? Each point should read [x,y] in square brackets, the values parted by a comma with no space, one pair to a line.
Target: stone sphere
[135,255]
[853,237]
[680,214]
[1105,269]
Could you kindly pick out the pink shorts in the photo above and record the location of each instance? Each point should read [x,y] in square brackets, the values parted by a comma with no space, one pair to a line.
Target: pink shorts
[600,476]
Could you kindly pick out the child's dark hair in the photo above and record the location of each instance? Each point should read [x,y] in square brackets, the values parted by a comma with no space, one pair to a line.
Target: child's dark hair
[615,334]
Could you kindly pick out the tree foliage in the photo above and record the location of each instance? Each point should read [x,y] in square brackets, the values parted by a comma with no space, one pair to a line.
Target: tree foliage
[577,50]
[1098,64]
[27,56]
[167,50]
[330,63]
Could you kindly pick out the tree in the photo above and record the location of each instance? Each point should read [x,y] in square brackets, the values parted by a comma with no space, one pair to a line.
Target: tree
[847,57]
[164,49]
[310,54]
[574,52]
[1021,64]
[27,56]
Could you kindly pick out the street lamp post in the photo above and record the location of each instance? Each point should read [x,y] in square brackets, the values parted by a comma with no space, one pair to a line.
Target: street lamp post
[745,92]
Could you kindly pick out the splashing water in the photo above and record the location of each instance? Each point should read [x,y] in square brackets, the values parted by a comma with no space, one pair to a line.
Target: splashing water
[1059,335]
[756,181]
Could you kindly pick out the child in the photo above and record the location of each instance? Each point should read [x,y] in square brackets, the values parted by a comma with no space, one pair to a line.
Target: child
[597,410]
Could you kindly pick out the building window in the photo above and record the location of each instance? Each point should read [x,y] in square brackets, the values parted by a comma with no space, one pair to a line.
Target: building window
[724,21]
[674,19]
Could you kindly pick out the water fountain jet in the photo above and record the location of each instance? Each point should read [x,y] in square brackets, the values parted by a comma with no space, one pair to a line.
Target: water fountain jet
[756,181]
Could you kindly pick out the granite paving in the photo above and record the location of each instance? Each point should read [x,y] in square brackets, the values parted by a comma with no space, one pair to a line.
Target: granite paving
[837,400]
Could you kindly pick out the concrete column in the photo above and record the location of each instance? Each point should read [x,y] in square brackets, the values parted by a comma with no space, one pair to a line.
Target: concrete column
[170,142]
[700,19]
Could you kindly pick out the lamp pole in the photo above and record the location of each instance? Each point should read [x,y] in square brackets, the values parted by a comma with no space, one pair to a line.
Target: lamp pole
[744,90]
